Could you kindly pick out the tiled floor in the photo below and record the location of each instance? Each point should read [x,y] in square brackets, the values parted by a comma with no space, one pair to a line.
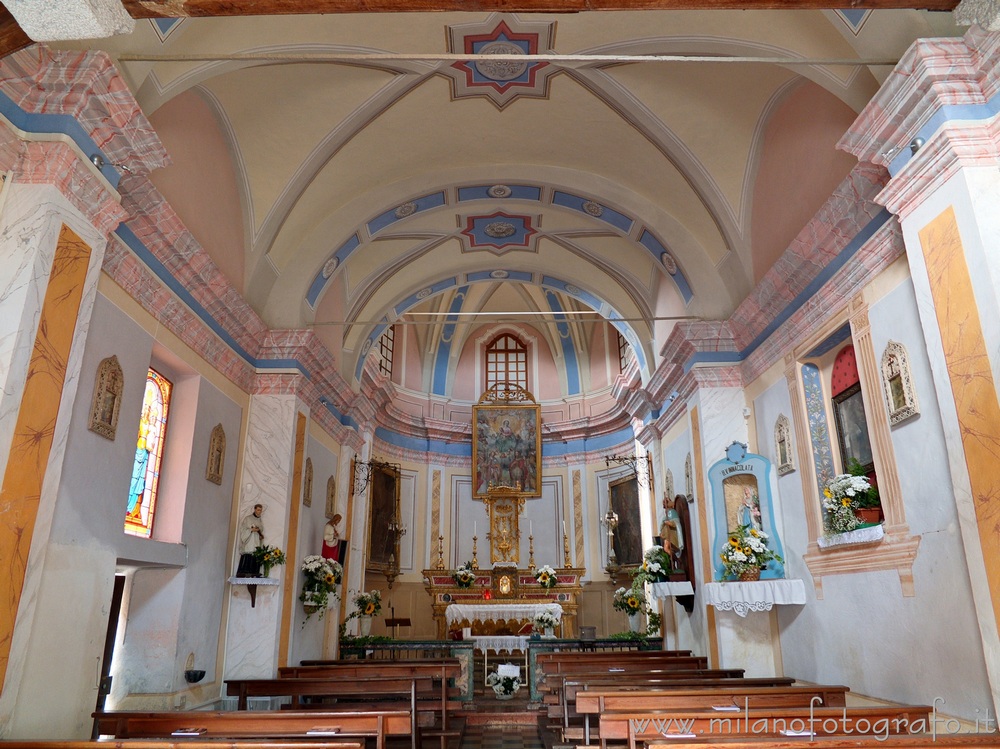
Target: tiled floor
[501,737]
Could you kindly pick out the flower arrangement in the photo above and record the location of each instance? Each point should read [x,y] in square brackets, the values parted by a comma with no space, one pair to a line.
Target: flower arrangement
[845,494]
[368,604]
[746,552]
[503,686]
[544,620]
[268,557]
[464,576]
[546,576]
[656,566]
[321,577]
[630,600]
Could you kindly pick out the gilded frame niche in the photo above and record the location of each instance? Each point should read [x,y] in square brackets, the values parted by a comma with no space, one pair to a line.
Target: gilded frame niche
[107,402]
[331,498]
[784,448]
[307,484]
[216,462]
[897,384]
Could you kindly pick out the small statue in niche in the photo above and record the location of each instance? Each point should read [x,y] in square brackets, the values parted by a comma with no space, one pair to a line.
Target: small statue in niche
[331,539]
[672,533]
[750,511]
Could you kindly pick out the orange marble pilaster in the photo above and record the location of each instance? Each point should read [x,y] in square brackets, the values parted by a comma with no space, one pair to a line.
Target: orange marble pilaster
[21,489]
[972,383]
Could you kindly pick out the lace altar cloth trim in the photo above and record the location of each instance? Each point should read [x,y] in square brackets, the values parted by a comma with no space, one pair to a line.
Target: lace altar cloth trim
[742,598]
[499,643]
[491,612]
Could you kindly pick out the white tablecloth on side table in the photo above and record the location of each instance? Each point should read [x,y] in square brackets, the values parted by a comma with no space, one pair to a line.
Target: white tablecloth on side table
[761,595]
[671,589]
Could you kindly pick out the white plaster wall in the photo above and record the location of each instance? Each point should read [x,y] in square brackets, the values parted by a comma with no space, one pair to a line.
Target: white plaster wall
[864,633]
[307,635]
[87,544]
[690,631]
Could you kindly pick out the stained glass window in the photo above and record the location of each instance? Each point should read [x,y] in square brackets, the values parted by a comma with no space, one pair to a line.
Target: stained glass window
[148,454]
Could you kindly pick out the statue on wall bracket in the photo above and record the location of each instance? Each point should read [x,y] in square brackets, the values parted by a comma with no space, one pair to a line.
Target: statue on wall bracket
[741,496]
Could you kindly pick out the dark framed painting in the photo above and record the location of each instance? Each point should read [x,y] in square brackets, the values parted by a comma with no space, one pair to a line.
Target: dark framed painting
[623,495]
[383,546]
[852,428]
[506,449]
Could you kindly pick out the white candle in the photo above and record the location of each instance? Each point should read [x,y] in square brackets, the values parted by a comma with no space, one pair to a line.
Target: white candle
[564,527]
[474,527]
[531,528]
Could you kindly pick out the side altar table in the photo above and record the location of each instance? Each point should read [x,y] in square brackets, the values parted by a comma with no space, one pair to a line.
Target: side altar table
[761,595]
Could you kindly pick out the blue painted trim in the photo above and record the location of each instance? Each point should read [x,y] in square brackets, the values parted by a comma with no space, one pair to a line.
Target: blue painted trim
[512,275]
[713,357]
[517,192]
[319,283]
[389,217]
[160,271]
[165,24]
[440,447]
[824,275]
[568,347]
[557,449]
[836,338]
[950,113]
[608,215]
[440,377]
[648,240]
[63,124]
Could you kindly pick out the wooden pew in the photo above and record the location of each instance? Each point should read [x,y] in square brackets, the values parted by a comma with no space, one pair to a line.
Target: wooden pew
[264,724]
[719,699]
[676,663]
[893,741]
[555,683]
[182,744]
[760,723]
[357,672]
[557,663]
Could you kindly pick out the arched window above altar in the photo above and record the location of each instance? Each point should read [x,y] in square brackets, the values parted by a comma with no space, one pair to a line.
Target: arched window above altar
[506,361]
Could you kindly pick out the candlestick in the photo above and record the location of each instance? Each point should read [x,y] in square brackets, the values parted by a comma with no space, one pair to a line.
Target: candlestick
[439,564]
[567,562]
[531,552]
[475,562]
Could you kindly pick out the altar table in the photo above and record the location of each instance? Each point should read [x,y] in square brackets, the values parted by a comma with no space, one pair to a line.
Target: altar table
[491,612]
[761,595]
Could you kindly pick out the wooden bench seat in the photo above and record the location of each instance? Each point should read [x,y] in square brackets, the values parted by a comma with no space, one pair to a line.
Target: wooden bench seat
[242,724]
[893,741]
[759,723]
[718,699]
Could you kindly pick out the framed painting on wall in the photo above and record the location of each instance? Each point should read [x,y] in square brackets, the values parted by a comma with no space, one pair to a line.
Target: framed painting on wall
[623,495]
[852,428]
[506,447]
[383,546]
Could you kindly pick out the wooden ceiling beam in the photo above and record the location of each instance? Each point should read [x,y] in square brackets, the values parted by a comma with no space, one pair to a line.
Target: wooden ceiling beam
[12,37]
[212,8]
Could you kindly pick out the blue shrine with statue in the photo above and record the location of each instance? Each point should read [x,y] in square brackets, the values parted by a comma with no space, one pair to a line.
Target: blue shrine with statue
[741,496]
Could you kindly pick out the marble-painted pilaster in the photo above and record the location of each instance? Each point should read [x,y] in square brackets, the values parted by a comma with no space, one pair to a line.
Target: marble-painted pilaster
[252,634]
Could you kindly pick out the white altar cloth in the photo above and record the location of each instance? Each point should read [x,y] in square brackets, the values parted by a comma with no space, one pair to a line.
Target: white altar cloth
[500,643]
[671,589]
[491,612]
[762,595]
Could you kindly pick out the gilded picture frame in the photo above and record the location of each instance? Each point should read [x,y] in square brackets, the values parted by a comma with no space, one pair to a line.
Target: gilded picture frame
[623,496]
[216,462]
[507,448]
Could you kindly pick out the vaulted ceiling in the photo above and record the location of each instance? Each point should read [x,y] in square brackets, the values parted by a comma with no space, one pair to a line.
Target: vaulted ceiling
[349,170]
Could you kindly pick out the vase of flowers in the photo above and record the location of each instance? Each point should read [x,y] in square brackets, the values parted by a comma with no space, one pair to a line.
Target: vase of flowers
[546,577]
[464,576]
[546,622]
[746,553]
[504,686]
[267,557]
[846,494]
[320,578]
[656,566]
[630,601]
